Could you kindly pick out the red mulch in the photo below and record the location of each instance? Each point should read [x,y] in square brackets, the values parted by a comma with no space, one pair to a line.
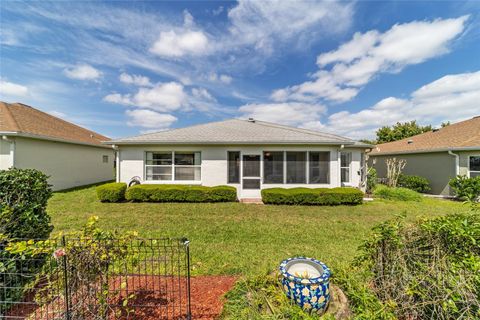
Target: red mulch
[155,298]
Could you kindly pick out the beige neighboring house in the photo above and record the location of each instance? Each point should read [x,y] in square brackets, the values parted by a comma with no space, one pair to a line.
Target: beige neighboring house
[249,155]
[71,155]
[438,155]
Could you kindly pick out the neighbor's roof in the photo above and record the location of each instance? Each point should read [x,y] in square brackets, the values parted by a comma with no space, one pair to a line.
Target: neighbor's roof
[236,131]
[463,135]
[18,119]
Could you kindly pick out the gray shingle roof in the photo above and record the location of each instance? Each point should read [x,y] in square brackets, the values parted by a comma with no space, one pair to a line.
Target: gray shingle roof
[236,131]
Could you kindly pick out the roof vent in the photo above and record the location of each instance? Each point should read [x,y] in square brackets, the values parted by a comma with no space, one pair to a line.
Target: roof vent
[410,141]
[91,135]
[251,120]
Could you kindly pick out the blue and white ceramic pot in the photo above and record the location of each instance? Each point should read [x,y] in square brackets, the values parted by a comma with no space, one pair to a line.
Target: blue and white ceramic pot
[307,282]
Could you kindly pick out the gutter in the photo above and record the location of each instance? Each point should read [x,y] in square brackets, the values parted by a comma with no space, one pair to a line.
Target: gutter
[474,148]
[47,138]
[457,162]
[227,143]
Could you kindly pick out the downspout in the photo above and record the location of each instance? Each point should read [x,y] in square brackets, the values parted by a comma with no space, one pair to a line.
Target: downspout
[12,148]
[339,170]
[457,162]
[117,162]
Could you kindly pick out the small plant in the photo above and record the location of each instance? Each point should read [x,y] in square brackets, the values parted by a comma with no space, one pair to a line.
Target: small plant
[466,189]
[371,179]
[415,183]
[394,169]
[402,194]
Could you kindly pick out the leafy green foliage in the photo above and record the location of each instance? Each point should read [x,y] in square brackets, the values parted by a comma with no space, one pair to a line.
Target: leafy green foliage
[428,270]
[111,192]
[180,193]
[466,189]
[308,196]
[415,183]
[402,194]
[400,131]
[371,179]
[24,194]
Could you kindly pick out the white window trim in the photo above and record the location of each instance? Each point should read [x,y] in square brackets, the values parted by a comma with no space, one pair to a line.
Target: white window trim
[172,166]
[349,167]
[469,171]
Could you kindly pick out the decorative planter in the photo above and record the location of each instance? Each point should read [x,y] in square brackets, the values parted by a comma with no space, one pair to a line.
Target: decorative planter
[307,282]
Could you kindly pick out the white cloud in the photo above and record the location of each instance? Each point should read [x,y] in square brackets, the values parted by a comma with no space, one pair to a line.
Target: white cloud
[58,114]
[134,79]
[174,44]
[163,97]
[149,119]
[289,113]
[83,72]
[358,61]
[450,98]
[202,94]
[12,89]
[223,78]
[264,23]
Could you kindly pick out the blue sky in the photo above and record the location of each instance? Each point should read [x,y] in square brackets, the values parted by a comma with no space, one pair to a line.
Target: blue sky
[124,68]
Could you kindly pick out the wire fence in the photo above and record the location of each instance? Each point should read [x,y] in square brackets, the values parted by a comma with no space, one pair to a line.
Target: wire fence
[100,279]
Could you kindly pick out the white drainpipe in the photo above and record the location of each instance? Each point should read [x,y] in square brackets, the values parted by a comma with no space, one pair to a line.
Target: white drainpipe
[457,162]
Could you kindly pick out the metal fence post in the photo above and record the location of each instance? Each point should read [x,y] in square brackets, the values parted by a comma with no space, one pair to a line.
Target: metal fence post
[65,279]
[187,248]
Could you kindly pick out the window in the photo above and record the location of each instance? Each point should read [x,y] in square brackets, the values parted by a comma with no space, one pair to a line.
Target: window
[474,166]
[272,167]
[296,167]
[105,159]
[233,166]
[187,166]
[345,161]
[319,167]
[181,166]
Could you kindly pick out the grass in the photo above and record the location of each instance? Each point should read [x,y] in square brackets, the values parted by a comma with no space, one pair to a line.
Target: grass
[247,239]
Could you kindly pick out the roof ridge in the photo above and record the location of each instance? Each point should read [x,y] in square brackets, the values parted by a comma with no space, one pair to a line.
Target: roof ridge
[60,119]
[302,130]
[9,114]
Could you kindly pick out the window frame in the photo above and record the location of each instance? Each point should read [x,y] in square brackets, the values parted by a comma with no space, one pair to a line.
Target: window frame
[309,178]
[172,166]
[285,157]
[239,167]
[105,158]
[349,167]
[283,166]
[469,169]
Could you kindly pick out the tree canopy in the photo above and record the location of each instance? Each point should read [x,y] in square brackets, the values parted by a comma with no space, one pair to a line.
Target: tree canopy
[400,130]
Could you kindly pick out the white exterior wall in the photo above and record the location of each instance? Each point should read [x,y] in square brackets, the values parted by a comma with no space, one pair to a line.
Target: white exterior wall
[214,164]
[6,154]
[68,165]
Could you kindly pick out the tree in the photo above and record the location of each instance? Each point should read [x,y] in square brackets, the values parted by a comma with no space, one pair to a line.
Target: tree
[400,131]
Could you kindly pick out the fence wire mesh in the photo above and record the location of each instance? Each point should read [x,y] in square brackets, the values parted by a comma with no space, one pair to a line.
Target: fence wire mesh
[150,279]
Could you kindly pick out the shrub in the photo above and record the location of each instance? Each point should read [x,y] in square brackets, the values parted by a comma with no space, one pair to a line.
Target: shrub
[24,194]
[467,189]
[111,192]
[371,179]
[403,194]
[180,193]
[307,196]
[415,183]
[428,270]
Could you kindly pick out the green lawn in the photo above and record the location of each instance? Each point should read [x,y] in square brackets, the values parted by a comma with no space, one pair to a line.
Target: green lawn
[235,238]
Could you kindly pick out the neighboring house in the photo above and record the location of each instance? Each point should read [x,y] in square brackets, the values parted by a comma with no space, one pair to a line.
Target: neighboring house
[438,155]
[71,155]
[247,154]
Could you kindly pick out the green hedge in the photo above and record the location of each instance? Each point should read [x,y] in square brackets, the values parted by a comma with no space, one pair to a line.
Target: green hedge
[180,193]
[308,196]
[402,194]
[415,183]
[111,192]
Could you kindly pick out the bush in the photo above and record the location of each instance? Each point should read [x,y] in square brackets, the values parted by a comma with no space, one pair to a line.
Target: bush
[111,192]
[467,189]
[307,196]
[429,270]
[415,183]
[24,194]
[402,194]
[180,193]
[371,179]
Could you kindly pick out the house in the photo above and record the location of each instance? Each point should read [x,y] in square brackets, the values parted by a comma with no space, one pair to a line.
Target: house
[247,154]
[71,155]
[438,155]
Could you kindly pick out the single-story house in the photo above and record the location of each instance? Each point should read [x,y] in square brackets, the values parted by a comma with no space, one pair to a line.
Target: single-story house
[71,155]
[438,155]
[247,154]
